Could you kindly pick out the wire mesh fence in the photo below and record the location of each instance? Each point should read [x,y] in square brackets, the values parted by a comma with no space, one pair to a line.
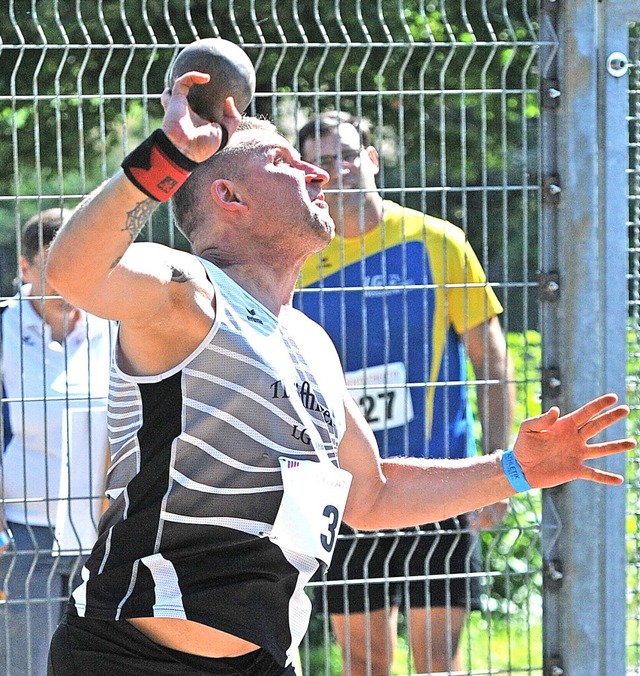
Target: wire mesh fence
[451,92]
[633,615]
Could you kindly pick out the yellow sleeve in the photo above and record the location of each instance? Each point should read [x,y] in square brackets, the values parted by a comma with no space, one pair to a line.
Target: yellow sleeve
[470,300]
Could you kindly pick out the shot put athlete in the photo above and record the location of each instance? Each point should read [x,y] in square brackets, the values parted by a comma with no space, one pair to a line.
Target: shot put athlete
[236,447]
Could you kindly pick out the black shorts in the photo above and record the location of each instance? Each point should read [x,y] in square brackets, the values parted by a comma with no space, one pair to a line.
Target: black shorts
[442,560]
[86,647]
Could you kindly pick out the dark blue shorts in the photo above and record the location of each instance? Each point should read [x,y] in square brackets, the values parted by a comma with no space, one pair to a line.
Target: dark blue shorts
[87,647]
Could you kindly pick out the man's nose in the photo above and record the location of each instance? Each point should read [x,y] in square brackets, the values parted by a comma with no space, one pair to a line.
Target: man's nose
[316,174]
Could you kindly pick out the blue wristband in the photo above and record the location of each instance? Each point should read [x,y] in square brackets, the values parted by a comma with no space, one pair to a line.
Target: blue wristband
[5,538]
[513,472]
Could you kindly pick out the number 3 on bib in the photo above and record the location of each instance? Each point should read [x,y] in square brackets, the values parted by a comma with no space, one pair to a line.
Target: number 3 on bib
[333,515]
[315,494]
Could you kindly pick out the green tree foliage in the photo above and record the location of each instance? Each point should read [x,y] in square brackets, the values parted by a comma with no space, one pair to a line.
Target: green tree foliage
[450,87]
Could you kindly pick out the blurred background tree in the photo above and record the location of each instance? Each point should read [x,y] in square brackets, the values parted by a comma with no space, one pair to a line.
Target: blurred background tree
[450,88]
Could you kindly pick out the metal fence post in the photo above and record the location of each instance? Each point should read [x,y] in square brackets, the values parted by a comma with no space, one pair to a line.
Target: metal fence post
[585,336]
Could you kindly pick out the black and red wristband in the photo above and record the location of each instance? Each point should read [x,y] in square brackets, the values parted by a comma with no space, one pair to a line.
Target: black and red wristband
[157,167]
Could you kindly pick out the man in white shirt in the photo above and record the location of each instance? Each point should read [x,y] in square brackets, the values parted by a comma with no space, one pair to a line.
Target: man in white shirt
[55,369]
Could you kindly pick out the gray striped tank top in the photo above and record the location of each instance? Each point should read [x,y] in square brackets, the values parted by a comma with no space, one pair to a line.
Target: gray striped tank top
[195,480]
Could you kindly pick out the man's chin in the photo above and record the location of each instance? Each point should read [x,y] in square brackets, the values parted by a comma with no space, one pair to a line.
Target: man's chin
[332,228]
[326,231]
[328,225]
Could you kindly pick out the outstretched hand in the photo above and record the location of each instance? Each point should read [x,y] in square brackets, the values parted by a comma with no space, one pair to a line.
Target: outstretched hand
[552,449]
[195,137]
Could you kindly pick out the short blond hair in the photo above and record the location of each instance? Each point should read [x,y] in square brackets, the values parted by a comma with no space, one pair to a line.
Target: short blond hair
[187,206]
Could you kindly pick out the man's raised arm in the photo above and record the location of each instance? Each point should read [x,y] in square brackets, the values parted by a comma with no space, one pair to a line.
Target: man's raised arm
[88,262]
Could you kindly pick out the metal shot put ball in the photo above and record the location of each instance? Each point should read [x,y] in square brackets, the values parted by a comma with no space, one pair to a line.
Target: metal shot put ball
[231,73]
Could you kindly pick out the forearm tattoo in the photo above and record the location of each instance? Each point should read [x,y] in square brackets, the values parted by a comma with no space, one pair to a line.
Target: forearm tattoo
[138,216]
[136,219]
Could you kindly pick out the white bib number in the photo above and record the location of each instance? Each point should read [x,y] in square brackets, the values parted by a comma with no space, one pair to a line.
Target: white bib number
[315,494]
[385,401]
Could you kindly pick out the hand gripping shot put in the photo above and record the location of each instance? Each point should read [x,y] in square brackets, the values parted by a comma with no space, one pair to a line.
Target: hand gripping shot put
[157,167]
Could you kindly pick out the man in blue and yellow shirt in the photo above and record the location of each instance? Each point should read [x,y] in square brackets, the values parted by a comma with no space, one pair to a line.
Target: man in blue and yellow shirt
[405,299]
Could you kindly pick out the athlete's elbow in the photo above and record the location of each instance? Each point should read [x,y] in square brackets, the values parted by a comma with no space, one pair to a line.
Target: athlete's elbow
[67,275]
[57,273]
[364,515]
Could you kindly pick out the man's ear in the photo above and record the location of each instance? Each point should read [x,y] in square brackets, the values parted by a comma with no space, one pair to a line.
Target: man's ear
[225,195]
[372,153]
[24,267]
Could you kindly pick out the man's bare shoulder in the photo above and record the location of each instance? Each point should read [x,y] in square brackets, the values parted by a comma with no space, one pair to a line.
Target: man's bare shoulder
[160,260]
[167,327]
[167,278]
